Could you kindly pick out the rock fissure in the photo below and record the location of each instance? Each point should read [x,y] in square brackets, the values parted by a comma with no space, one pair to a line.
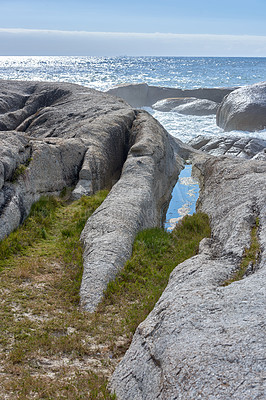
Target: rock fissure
[208,345]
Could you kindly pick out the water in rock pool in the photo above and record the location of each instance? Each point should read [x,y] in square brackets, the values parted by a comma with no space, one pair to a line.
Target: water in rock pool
[184,198]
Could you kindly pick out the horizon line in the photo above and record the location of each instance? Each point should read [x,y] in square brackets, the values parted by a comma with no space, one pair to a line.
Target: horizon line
[148,34]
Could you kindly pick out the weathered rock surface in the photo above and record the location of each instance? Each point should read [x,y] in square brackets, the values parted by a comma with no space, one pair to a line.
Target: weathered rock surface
[135,202]
[68,135]
[244,109]
[243,147]
[203,340]
[140,95]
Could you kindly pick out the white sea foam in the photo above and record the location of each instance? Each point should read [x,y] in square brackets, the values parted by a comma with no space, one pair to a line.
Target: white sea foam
[186,127]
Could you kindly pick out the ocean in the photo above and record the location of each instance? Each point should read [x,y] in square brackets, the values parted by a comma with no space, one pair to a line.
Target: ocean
[102,73]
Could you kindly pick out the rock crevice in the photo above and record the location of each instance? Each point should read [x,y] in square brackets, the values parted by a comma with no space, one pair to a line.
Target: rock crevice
[208,339]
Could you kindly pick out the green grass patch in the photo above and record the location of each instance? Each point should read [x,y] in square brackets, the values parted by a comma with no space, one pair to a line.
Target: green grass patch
[40,320]
[75,388]
[35,227]
[155,254]
[250,256]
[21,168]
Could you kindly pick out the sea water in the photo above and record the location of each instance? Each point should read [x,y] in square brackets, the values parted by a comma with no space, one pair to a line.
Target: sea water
[102,73]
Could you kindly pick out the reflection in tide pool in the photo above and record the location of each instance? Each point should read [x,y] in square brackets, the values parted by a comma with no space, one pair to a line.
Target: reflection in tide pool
[184,198]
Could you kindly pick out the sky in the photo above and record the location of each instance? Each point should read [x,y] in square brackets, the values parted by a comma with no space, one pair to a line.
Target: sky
[139,27]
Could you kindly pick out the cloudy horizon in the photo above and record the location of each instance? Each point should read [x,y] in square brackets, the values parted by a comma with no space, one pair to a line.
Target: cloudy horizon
[18,42]
[146,27]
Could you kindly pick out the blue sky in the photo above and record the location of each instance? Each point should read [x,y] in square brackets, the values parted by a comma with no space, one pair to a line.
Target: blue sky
[115,27]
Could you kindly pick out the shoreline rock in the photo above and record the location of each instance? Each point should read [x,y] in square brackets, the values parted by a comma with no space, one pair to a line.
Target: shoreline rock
[241,147]
[187,105]
[244,109]
[203,340]
[70,133]
[136,202]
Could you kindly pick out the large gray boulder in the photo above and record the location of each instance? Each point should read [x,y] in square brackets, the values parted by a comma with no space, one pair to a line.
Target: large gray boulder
[66,134]
[141,94]
[204,340]
[242,147]
[244,109]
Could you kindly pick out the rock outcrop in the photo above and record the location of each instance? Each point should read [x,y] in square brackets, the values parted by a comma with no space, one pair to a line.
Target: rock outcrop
[58,135]
[140,95]
[67,134]
[204,340]
[244,109]
[242,147]
[187,105]
[167,105]
[136,202]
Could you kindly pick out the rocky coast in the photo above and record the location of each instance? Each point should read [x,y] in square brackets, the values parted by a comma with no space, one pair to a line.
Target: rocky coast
[205,337]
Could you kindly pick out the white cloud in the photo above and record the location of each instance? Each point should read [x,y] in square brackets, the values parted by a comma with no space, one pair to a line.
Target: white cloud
[56,42]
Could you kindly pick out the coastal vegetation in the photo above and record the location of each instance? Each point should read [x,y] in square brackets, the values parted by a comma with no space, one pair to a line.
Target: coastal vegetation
[20,169]
[50,348]
[250,256]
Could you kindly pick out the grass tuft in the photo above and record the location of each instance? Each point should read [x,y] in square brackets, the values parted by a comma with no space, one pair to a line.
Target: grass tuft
[21,168]
[155,254]
[250,256]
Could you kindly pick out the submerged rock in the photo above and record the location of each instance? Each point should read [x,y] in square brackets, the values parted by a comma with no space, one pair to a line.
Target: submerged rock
[244,109]
[204,340]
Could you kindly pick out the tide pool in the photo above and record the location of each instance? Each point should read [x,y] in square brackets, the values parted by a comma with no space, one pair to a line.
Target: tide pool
[184,198]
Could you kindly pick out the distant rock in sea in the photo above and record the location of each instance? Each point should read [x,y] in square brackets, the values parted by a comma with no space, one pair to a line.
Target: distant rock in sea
[141,94]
